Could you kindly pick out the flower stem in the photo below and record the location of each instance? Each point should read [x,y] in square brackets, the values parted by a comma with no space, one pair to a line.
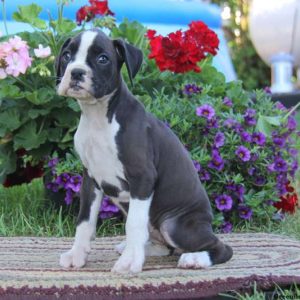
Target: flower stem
[4,16]
[25,84]
[291,111]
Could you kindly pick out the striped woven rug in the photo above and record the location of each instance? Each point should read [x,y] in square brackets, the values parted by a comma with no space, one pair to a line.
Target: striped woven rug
[29,269]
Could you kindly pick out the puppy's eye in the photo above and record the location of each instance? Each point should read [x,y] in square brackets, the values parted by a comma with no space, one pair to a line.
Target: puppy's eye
[102,59]
[67,56]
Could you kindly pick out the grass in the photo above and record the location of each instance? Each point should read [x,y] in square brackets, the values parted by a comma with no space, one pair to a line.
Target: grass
[25,211]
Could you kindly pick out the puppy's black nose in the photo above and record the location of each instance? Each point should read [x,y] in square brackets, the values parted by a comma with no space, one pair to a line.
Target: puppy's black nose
[77,74]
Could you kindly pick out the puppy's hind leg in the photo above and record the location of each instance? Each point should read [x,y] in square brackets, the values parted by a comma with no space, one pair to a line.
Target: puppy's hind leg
[90,200]
[201,247]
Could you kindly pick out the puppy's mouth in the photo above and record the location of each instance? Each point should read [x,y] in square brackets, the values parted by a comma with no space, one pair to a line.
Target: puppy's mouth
[78,91]
[74,85]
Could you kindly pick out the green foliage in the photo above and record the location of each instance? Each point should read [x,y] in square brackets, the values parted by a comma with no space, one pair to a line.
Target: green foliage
[30,14]
[32,116]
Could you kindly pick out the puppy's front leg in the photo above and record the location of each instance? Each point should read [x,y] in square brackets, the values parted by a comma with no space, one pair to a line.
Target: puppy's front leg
[137,235]
[90,200]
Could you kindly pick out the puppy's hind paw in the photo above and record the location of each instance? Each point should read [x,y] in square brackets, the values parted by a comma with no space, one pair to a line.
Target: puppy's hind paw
[194,260]
[76,257]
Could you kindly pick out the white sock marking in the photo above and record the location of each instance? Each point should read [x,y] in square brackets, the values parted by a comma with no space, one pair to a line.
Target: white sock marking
[194,260]
[85,232]
[137,235]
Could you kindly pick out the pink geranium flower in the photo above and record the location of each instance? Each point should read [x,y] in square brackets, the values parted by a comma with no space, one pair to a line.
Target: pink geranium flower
[14,57]
[17,64]
[42,52]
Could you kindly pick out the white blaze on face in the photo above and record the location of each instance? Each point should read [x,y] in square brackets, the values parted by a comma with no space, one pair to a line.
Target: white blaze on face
[79,62]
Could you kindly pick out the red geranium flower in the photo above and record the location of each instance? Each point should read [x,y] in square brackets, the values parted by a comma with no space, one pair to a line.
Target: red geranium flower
[87,13]
[288,202]
[100,7]
[180,52]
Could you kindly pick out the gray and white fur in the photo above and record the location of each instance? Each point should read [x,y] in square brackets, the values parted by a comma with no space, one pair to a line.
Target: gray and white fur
[134,158]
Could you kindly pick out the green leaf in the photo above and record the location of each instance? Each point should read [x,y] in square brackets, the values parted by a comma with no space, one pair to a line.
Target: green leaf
[29,14]
[9,91]
[34,113]
[41,96]
[10,119]
[63,26]
[54,134]
[7,161]
[73,104]
[265,123]
[29,137]
[276,121]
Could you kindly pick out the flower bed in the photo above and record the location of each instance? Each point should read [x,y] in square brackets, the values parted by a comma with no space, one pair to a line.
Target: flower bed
[243,145]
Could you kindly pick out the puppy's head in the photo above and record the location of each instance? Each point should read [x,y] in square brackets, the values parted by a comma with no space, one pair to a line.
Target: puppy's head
[88,66]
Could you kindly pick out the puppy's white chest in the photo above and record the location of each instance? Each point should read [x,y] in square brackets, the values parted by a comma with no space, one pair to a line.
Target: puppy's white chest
[96,145]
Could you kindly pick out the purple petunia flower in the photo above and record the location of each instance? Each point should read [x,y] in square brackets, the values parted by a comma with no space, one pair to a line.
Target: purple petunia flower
[226,227]
[251,171]
[269,202]
[227,101]
[294,167]
[260,180]
[249,117]
[212,123]
[230,123]
[204,175]
[280,165]
[197,165]
[293,152]
[217,161]
[258,138]
[280,106]
[278,140]
[69,197]
[107,209]
[63,179]
[190,89]
[240,190]
[224,202]
[267,90]
[246,137]
[53,186]
[291,123]
[53,162]
[219,139]
[281,181]
[206,111]
[243,153]
[74,183]
[245,212]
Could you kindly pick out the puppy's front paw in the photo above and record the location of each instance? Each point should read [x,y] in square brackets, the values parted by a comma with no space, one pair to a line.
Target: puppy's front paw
[76,257]
[131,261]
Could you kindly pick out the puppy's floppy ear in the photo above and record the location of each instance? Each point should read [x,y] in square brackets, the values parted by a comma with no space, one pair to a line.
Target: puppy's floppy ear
[57,61]
[132,56]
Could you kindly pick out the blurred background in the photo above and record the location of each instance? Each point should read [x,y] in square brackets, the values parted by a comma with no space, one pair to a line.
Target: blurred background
[254,34]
